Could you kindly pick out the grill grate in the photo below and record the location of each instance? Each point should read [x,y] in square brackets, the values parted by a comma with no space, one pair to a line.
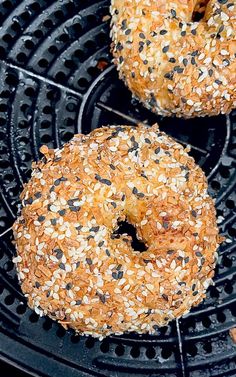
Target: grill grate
[56,79]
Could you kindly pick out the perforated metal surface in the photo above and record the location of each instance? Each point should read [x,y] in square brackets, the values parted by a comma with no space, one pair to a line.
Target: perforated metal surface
[56,78]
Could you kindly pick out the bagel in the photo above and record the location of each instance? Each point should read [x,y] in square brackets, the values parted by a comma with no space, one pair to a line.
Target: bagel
[71,264]
[173,65]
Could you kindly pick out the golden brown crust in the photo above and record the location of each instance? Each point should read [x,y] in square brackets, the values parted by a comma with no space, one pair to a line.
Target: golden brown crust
[172,65]
[69,264]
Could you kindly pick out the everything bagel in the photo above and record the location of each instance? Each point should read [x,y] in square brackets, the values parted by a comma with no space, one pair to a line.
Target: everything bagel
[73,267]
[173,65]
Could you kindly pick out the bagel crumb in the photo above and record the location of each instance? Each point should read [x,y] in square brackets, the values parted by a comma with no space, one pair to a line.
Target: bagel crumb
[71,264]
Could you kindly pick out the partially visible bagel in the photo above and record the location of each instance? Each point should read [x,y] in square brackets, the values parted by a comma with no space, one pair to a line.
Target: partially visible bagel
[173,65]
[73,267]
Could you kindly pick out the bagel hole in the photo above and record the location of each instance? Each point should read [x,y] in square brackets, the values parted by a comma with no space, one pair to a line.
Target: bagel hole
[130,230]
[199,10]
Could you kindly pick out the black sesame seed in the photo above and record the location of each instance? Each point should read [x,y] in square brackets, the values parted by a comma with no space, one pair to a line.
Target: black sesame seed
[194,213]
[140,49]
[185,62]
[77,264]
[141,35]
[63,179]
[186,260]
[165,297]
[194,31]
[74,208]
[193,287]
[94,229]
[218,82]
[48,293]
[169,75]
[193,61]
[78,302]
[28,201]
[194,53]
[226,62]
[127,32]
[183,33]
[106,182]
[57,182]
[134,191]
[187,176]
[119,46]
[172,60]
[101,243]
[38,195]
[178,69]
[170,252]
[210,72]
[41,218]
[157,150]
[112,167]
[68,286]
[114,275]
[108,253]
[37,284]
[124,24]
[173,13]
[53,221]
[123,197]
[102,298]
[195,293]
[148,141]
[165,224]
[163,32]
[59,254]
[179,292]
[78,228]
[120,274]
[62,266]
[140,195]
[62,212]
[165,49]
[89,261]
[113,204]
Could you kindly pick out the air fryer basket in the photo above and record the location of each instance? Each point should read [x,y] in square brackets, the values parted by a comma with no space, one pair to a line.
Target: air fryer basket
[56,79]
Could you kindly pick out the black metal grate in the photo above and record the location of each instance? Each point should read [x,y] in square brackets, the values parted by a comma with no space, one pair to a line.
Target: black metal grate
[56,79]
